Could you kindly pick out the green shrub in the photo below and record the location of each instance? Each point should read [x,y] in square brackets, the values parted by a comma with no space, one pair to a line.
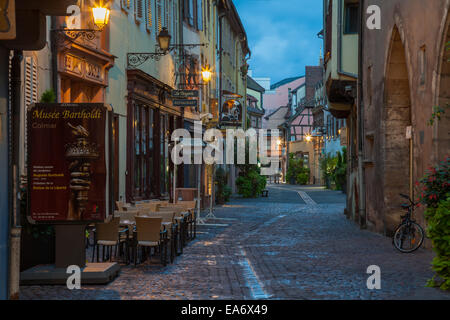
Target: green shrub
[48,96]
[223,192]
[439,232]
[435,184]
[297,171]
[251,185]
[435,195]
[302,178]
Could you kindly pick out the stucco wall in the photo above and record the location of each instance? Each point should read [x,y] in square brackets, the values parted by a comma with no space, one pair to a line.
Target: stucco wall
[418,32]
[138,39]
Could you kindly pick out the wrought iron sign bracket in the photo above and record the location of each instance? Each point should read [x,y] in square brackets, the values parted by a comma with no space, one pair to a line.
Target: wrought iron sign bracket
[136,59]
[65,36]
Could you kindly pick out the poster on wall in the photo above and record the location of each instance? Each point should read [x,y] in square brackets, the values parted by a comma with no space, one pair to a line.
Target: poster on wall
[68,162]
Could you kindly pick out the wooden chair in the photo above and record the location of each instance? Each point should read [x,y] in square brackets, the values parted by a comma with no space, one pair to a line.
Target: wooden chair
[181,219]
[148,206]
[190,206]
[107,235]
[119,205]
[149,235]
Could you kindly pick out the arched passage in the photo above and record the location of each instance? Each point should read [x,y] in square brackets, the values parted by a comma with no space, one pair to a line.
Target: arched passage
[443,126]
[397,117]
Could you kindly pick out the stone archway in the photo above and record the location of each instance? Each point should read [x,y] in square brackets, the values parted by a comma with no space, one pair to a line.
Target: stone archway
[443,125]
[397,117]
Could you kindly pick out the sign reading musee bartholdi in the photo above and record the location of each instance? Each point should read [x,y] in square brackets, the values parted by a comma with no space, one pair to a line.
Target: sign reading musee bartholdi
[67,174]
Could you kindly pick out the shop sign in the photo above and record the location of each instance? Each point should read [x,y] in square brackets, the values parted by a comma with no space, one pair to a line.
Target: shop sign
[185,103]
[7,19]
[67,171]
[183,94]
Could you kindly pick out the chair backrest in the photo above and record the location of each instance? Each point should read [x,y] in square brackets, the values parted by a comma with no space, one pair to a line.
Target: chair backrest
[170,208]
[120,205]
[148,206]
[126,215]
[131,209]
[188,204]
[147,213]
[167,216]
[148,229]
[108,231]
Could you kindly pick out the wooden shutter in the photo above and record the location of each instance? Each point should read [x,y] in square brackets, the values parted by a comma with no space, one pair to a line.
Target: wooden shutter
[199,15]
[167,14]
[30,81]
[191,12]
[31,91]
[158,22]
[149,15]
[126,5]
[139,10]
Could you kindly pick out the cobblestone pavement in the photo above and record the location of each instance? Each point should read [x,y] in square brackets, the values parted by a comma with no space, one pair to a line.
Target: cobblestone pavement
[295,244]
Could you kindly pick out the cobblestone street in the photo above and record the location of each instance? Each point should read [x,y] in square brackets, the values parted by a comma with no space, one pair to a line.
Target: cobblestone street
[295,244]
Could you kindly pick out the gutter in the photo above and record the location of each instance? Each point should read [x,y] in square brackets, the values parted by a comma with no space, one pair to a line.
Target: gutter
[361,173]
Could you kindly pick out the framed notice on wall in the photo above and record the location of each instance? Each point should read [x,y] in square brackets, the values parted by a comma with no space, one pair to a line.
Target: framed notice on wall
[69,155]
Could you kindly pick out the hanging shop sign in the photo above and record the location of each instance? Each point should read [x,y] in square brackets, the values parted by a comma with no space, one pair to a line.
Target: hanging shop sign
[183,94]
[7,20]
[231,113]
[68,160]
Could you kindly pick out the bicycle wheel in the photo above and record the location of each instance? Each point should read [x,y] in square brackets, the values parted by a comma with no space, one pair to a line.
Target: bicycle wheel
[408,237]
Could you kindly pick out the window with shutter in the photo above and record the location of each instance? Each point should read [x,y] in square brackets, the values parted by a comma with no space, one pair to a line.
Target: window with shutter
[31,90]
[199,15]
[158,22]
[139,10]
[191,12]
[174,21]
[167,15]
[126,5]
[148,15]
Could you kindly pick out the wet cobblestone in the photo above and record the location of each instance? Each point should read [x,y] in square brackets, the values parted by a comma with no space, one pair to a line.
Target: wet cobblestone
[275,248]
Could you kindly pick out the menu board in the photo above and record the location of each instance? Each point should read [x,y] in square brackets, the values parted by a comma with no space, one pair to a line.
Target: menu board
[67,168]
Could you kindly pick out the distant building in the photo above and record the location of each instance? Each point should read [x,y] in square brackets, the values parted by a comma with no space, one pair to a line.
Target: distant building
[255,110]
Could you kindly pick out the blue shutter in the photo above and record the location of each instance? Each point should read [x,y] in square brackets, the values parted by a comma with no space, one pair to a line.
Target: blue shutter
[199,15]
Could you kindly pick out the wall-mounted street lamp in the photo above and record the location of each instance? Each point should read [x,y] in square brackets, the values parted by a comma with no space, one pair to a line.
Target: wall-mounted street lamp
[100,16]
[308,138]
[206,74]
[135,59]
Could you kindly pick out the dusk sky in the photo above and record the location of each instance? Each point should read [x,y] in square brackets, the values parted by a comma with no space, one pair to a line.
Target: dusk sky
[282,35]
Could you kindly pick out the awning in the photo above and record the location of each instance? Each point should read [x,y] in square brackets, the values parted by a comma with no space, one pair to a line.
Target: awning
[230,94]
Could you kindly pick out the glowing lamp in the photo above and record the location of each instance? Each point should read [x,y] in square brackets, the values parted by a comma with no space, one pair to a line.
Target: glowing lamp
[101,16]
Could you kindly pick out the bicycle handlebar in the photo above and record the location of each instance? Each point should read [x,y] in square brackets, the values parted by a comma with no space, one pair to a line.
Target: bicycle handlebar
[407,197]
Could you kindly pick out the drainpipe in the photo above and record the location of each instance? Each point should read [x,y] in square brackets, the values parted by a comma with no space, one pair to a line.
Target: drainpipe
[220,65]
[54,60]
[361,175]
[4,174]
[14,255]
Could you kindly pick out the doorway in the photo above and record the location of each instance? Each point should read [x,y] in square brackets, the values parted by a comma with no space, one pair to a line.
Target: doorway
[397,146]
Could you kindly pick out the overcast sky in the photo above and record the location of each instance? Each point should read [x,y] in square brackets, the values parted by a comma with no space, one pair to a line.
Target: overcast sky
[282,35]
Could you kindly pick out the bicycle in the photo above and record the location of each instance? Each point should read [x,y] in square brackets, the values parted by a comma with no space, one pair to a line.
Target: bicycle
[408,236]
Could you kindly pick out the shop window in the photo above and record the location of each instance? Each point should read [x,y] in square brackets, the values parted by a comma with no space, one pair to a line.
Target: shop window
[143,161]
